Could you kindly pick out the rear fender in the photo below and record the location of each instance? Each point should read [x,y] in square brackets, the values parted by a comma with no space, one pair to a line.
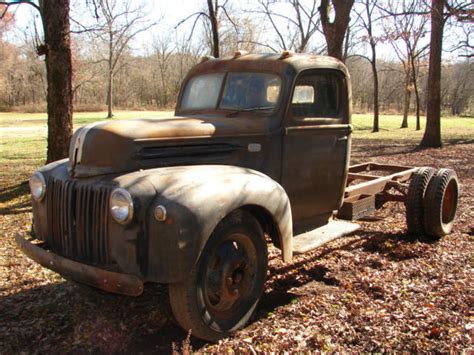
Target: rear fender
[196,199]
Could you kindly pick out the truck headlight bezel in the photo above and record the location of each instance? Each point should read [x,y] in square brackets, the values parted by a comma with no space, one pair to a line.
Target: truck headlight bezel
[37,185]
[121,206]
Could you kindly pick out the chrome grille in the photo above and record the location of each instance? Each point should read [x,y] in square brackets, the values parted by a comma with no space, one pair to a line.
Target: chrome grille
[77,220]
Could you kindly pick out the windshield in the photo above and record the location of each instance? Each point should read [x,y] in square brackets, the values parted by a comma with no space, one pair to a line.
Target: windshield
[242,91]
[202,92]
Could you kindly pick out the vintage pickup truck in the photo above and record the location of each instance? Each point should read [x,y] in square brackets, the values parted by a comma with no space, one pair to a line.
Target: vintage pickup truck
[257,153]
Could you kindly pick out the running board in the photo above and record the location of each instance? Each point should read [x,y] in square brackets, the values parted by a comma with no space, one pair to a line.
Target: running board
[305,242]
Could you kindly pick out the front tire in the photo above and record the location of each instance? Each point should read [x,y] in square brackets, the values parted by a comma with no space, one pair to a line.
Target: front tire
[224,286]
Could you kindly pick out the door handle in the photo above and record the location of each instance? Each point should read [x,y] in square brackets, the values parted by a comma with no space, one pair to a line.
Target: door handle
[340,139]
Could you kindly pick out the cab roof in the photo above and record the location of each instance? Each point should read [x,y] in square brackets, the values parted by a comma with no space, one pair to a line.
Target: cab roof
[283,64]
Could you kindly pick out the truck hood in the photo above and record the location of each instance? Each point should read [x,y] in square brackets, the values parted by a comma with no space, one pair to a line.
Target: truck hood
[128,145]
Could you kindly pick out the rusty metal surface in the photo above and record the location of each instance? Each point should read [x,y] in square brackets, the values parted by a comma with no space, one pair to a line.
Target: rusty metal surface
[77,220]
[314,172]
[103,279]
[197,198]
[200,166]
[121,146]
[273,63]
[375,184]
[357,208]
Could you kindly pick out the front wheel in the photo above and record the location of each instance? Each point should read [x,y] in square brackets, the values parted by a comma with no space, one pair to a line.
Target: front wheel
[224,286]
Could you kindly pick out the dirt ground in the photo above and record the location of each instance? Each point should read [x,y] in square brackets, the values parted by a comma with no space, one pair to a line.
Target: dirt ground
[377,290]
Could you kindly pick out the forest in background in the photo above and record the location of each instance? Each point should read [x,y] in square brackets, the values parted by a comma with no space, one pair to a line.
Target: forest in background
[151,78]
[153,81]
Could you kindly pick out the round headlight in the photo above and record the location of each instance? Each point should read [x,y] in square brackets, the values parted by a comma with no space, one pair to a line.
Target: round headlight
[38,186]
[121,206]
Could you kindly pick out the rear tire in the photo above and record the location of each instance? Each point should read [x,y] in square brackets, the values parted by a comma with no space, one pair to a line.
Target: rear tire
[440,203]
[414,206]
[224,286]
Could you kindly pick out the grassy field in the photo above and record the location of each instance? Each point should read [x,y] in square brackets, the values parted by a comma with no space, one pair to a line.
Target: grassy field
[23,135]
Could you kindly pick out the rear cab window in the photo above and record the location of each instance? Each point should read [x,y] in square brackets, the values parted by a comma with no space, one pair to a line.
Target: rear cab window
[319,97]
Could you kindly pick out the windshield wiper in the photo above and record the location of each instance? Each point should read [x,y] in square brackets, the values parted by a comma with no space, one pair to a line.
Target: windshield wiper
[250,109]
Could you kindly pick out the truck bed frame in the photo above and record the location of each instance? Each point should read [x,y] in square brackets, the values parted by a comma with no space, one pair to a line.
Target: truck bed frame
[370,185]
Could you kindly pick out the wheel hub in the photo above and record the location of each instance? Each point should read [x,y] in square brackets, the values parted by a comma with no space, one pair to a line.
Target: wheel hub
[229,276]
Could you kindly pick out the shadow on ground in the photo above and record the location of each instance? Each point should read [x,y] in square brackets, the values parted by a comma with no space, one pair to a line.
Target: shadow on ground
[18,192]
[66,316]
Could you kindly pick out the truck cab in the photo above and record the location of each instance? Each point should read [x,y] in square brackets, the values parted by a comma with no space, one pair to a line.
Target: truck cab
[297,111]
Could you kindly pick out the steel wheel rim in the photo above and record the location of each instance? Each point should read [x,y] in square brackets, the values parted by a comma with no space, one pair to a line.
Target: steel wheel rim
[448,207]
[230,276]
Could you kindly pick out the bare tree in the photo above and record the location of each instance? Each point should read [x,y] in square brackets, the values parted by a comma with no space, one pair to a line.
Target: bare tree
[6,19]
[367,21]
[465,42]
[457,86]
[211,17]
[294,28]
[335,30]
[213,9]
[162,55]
[432,135]
[57,52]
[118,22]
[405,34]
[463,11]
[247,37]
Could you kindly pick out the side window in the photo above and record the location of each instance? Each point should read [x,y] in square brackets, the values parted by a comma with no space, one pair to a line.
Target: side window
[317,95]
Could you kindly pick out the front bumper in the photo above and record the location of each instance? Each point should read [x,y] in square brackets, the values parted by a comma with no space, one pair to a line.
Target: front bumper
[109,281]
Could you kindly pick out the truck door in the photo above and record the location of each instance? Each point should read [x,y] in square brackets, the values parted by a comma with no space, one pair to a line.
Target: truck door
[316,146]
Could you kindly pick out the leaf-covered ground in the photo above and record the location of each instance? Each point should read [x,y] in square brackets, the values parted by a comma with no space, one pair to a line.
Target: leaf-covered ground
[377,290]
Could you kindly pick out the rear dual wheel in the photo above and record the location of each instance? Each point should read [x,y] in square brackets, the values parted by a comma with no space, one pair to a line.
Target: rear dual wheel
[440,203]
[432,202]
[416,194]
[224,286]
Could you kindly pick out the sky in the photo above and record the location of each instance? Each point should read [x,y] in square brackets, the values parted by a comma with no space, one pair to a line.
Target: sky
[169,13]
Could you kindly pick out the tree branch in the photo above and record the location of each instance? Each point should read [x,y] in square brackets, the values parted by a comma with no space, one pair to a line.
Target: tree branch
[19,2]
[260,44]
[199,14]
[228,17]
[359,56]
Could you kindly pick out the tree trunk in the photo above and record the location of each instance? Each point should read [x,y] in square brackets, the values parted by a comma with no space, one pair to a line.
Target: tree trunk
[406,104]
[417,94]
[110,79]
[375,77]
[110,74]
[55,16]
[406,108]
[214,26]
[347,39]
[417,100]
[335,31]
[432,135]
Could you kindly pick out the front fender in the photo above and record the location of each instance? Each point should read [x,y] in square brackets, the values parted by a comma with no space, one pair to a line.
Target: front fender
[196,199]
